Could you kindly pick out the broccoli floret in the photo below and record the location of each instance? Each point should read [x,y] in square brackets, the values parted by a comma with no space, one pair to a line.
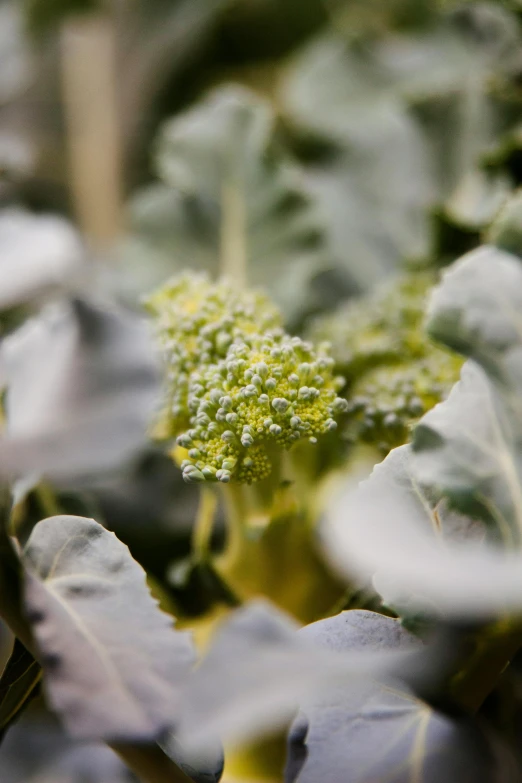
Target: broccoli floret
[239,381]
[196,322]
[381,328]
[386,402]
[394,372]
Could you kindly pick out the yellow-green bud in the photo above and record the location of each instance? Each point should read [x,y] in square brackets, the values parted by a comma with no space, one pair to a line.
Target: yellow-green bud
[196,322]
[236,397]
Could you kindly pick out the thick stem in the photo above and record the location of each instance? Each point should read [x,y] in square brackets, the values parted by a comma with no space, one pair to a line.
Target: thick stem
[150,764]
[236,513]
[89,78]
[204,524]
[494,650]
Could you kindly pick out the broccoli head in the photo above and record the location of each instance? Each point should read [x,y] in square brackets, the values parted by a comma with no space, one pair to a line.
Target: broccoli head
[237,384]
[394,372]
[196,323]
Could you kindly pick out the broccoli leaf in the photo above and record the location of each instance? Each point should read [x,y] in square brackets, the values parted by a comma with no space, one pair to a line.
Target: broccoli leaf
[112,662]
[82,383]
[229,190]
[377,188]
[466,456]
[468,448]
[505,232]
[39,255]
[476,310]
[378,733]
[411,117]
[423,556]
[259,669]
[37,750]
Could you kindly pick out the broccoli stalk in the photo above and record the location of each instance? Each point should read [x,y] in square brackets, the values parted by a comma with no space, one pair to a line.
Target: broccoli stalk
[240,393]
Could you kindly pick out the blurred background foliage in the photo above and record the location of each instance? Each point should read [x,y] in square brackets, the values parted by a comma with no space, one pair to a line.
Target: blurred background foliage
[363,139]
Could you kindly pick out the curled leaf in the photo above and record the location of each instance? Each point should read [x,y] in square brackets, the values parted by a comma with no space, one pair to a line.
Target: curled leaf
[113,664]
[423,557]
[259,669]
[82,382]
[378,732]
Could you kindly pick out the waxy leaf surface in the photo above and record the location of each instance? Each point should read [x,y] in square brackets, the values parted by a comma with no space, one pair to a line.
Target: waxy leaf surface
[366,731]
[113,664]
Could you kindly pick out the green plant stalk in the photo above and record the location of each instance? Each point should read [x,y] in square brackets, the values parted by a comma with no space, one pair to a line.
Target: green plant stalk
[150,764]
[233,242]
[11,578]
[204,524]
[236,514]
[253,507]
[493,650]
[47,500]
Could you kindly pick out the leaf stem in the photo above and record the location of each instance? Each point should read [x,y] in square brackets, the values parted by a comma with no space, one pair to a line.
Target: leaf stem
[90,91]
[494,651]
[150,764]
[204,524]
[236,513]
[233,243]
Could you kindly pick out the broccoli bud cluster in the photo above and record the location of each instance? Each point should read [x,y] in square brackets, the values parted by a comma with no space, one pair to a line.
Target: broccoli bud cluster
[394,372]
[238,381]
[383,328]
[196,323]
[387,401]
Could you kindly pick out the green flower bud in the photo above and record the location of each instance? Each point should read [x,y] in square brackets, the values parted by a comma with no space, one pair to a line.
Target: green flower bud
[280,404]
[235,383]
[195,328]
[185,441]
[192,475]
[395,372]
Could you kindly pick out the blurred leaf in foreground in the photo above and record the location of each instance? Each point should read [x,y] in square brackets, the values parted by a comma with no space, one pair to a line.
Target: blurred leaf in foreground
[82,382]
[466,456]
[259,669]
[38,255]
[379,732]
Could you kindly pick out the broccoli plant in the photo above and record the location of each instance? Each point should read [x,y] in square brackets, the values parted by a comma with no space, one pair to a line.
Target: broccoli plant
[299,625]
